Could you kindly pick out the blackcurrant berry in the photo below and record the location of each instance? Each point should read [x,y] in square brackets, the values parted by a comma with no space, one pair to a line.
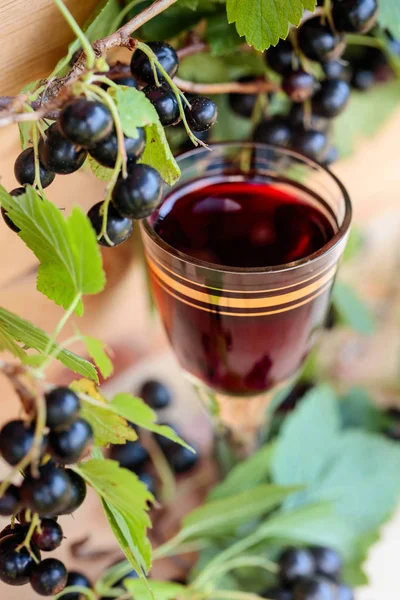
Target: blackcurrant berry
[363,79]
[331,99]
[24,169]
[295,563]
[16,439]
[49,577]
[149,482]
[131,455]
[125,79]
[48,536]
[48,494]
[18,530]
[85,122]
[344,592]
[327,561]
[119,228]
[16,567]
[299,85]
[277,594]
[164,101]
[6,218]
[68,444]
[202,113]
[166,56]
[275,131]
[354,15]
[317,40]
[243,104]
[76,579]
[299,119]
[311,588]
[59,154]
[106,151]
[165,443]
[62,407]
[336,69]
[10,501]
[313,144]
[77,492]
[181,459]
[281,58]
[137,196]
[156,394]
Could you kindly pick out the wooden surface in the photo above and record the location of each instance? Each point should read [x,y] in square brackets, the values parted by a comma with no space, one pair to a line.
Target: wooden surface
[34,36]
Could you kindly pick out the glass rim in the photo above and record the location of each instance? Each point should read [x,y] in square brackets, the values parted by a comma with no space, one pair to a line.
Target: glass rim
[310,258]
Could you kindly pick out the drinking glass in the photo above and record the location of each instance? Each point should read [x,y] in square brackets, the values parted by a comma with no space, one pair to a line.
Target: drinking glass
[242,333]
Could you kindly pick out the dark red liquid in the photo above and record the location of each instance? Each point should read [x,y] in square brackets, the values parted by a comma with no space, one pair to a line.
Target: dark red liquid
[240,223]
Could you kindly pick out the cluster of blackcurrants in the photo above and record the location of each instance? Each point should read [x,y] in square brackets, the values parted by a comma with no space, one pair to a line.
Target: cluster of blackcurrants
[314,103]
[86,127]
[309,574]
[54,492]
[135,457]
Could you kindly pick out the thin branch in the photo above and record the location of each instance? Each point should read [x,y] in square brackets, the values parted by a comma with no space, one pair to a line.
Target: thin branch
[254,87]
[192,49]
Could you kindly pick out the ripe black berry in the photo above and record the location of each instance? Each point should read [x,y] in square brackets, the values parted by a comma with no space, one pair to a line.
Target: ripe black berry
[354,15]
[280,58]
[295,563]
[49,494]
[24,169]
[155,394]
[137,196]
[77,492]
[85,122]
[6,218]
[313,144]
[49,577]
[68,444]
[299,85]
[149,482]
[164,101]
[181,459]
[331,99]
[243,104]
[277,594]
[327,561]
[62,407]
[10,501]
[119,228]
[49,536]
[16,567]
[336,69]
[16,439]
[76,579]
[131,455]
[314,589]
[166,56]
[276,131]
[298,119]
[202,114]
[363,79]
[317,40]
[59,154]
[16,529]
[124,79]
[344,592]
[106,151]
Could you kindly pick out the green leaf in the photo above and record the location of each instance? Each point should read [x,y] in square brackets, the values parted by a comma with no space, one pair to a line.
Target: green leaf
[97,351]
[245,475]
[357,410]
[70,260]
[264,22]
[171,22]
[121,530]
[8,344]
[162,590]
[351,309]
[108,428]
[353,572]
[30,336]
[358,121]
[135,110]
[158,154]
[127,500]
[102,173]
[137,412]
[201,68]
[222,517]
[221,36]
[389,16]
